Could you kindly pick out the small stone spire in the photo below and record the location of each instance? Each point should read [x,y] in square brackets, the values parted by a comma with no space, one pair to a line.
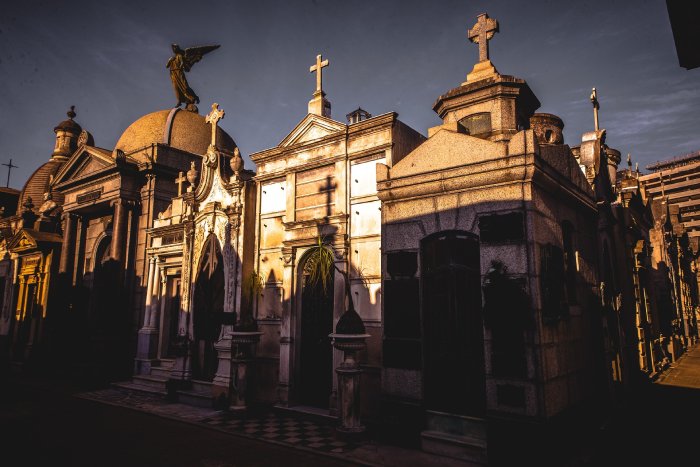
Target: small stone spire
[319,105]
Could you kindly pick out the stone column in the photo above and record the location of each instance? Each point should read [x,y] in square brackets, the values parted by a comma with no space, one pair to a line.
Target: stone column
[118,231]
[148,335]
[286,340]
[68,247]
[158,290]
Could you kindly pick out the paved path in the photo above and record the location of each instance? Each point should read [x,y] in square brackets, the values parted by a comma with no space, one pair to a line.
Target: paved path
[660,426]
[307,433]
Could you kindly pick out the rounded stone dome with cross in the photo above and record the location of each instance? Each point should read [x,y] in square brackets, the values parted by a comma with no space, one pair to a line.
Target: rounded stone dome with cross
[177,128]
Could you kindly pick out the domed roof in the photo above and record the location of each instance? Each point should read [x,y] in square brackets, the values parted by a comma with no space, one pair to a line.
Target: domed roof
[69,125]
[181,129]
[38,184]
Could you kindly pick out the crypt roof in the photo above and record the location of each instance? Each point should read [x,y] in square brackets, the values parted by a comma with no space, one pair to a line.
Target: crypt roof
[38,183]
[177,128]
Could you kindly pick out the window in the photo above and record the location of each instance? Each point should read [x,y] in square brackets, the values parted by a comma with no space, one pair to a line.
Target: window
[570,270]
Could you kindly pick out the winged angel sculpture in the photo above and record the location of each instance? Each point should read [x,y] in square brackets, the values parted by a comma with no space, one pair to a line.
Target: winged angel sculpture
[180,63]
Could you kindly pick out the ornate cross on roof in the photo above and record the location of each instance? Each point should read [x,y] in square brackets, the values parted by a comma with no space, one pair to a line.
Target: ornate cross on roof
[318,68]
[180,180]
[481,33]
[213,117]
[596,106]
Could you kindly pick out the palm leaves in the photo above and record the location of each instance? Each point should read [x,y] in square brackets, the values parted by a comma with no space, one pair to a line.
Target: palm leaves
[320,264]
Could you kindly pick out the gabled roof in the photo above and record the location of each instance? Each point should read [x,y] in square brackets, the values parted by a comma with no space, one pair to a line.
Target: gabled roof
[87,161]
[312,127]
[447,149]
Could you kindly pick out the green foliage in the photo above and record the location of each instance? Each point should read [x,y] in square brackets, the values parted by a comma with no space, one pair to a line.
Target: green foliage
[320,264]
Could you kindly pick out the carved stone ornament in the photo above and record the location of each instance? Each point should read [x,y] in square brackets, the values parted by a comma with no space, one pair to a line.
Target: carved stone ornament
[192,175]
[236,162]
[85,138]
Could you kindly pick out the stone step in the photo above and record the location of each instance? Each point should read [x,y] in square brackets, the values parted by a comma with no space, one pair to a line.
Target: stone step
[195,398]
[201,386]
[134,387]
[161,371]
[464,448]
[150,381]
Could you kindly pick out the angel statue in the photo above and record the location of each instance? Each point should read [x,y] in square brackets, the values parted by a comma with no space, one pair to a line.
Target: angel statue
[178,64]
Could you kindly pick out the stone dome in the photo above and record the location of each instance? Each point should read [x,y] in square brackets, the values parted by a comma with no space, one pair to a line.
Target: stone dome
[178,128]
[38,183]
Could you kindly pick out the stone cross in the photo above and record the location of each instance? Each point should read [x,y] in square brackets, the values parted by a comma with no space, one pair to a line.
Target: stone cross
[318,67]
[596,106]
[214,116]
[481,33]
[180,180]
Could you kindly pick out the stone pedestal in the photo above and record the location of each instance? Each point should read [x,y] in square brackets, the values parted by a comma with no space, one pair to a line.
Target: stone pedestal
[349,382]
[147,346]
[235,352]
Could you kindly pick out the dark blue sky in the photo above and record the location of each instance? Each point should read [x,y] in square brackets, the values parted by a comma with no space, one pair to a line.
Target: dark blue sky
[108,59]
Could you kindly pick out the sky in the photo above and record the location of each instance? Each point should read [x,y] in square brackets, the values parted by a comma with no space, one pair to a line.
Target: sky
[108,59]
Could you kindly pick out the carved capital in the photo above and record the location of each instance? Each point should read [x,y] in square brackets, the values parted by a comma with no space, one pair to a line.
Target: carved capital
[288,255]
[340,252]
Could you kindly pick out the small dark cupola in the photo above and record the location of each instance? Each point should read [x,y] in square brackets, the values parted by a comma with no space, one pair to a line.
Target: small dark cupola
[548,128]
[358,115]
[67,133]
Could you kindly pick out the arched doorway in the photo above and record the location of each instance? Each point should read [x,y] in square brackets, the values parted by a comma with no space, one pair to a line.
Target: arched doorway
[208,307]
[453,334]
[316,359]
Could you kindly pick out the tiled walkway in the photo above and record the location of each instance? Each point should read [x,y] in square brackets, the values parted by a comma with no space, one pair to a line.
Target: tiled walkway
[279,428]
[299,431]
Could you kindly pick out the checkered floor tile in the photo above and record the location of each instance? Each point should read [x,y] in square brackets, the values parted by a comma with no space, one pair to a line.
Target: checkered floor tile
[285,429]
[292,430]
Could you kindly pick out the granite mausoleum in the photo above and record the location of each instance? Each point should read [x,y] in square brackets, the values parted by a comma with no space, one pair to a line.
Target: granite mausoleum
[486,275]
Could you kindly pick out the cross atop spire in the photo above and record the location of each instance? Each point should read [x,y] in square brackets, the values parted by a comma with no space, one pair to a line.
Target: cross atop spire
[318,68]
[481,34]
[213,117]
[596,106]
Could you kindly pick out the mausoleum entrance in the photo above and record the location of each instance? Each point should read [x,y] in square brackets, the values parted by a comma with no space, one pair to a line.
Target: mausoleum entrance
[208,310]
[453,335]
[316,362]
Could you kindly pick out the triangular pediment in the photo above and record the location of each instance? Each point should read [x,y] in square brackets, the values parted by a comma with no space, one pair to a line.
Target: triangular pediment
[85,162]
[312,127]
[22,241]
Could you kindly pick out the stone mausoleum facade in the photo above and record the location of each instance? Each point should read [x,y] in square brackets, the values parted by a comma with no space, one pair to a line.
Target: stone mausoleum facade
[486,275]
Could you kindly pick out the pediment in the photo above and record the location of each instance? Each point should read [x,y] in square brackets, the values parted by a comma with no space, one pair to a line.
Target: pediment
[22,241]
[447,149]
[311,128]
[85,162]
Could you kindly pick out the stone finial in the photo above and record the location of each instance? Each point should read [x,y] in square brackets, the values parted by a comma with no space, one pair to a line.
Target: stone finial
[318,68]
[179,181]
[481,34]
[319,105]
[192,175]
[213,118]
[596,106]
[236,162]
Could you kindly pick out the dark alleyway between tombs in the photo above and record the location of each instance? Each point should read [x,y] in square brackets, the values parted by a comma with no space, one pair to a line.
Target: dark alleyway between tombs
[56,424]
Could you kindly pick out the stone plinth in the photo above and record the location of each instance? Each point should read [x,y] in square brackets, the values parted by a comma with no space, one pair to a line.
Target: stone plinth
[235,352]
[349,382]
